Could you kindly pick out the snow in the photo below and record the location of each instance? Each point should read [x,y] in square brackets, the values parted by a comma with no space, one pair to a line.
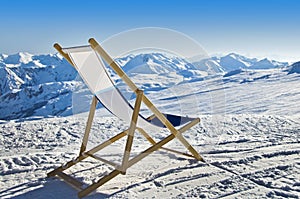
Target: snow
[255,156]
[267,64]
[233,72]
[22,57]
[155,63]
[249,130]
[295,68]
[235,61]
[232,62]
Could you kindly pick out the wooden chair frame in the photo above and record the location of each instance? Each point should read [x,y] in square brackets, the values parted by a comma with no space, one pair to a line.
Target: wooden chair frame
[126,162]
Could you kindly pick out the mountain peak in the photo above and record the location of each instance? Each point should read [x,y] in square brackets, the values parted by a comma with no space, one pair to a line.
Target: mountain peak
[234,55]
[21,57]
[3,56]
[150,63]
[157,63]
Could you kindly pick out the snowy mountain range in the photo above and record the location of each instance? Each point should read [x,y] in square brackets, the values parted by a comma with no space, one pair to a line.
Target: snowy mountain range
[44,85]
[235,61]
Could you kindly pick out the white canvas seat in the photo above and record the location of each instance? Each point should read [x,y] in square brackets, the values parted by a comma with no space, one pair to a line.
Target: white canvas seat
[89,62]
[94,73]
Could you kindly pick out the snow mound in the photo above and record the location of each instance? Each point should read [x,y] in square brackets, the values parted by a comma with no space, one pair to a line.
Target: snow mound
[234,72]
[267,64]
[295,68]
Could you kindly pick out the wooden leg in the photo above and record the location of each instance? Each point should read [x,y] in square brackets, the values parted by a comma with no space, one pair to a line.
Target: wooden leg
[152,141]
[161,143]
[172,129]
[88,125]
[131,130]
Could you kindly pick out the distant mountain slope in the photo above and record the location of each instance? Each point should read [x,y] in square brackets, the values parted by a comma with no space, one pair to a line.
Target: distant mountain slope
[44,85]
[295,68]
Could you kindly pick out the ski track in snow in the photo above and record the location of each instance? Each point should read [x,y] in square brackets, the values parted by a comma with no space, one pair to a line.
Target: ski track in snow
[256,156]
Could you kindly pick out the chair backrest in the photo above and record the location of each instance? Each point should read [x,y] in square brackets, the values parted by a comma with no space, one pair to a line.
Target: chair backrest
[93,71]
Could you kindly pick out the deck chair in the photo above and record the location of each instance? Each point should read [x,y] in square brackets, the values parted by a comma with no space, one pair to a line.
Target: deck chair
[89,61]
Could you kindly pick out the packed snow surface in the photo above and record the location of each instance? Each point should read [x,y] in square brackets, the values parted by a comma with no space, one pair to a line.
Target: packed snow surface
[255,156]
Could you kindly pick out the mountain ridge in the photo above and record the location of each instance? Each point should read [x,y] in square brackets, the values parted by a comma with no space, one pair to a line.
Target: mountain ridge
[44,84]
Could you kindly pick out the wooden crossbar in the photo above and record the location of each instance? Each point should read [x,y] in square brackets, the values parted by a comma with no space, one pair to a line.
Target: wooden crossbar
[84,154]
[70,180]
[153,142]
[126,161]
[104,160]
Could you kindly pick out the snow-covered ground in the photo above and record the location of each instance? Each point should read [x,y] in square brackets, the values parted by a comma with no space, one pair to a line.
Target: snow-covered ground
[249,136]
[256,156]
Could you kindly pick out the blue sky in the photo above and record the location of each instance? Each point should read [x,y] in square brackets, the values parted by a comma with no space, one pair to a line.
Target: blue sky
[253,28]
